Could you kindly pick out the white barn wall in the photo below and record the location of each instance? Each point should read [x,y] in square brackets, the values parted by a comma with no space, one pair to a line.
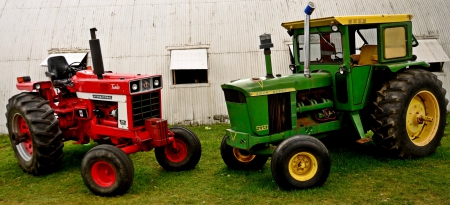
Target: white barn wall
[135,35]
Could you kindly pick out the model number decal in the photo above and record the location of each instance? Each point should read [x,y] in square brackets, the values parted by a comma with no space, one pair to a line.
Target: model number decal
[105,97]
[262,128]
[269,92]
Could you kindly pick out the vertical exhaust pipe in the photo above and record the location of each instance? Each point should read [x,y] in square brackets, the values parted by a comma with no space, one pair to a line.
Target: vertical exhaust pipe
[266,44]
[96,53]
[308,11]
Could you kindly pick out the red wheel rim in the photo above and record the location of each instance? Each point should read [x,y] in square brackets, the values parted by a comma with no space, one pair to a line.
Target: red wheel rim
[103,174]
[177,154]
[25,131]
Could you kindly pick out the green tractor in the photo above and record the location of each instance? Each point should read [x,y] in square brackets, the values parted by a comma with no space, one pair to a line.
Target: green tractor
[349,73]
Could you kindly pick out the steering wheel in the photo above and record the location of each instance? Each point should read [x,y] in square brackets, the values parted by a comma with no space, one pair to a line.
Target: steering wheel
[73,69]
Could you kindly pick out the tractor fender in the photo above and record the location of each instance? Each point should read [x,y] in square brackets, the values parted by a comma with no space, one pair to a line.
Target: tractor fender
[395,67]
[30,85]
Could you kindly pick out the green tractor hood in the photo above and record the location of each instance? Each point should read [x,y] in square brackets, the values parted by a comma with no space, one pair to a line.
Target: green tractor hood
[267,86]
[247,99]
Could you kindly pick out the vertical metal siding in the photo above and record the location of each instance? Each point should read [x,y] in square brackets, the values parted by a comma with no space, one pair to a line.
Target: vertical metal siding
[134,37]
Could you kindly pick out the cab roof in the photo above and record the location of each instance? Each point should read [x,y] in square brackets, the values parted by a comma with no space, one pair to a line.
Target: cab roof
[350,20]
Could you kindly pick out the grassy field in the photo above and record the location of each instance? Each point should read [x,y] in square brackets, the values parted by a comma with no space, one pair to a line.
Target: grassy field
[358,176]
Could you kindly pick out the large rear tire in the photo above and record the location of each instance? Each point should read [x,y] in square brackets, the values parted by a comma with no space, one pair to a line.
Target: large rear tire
[240,159]
[300,162]
[34,133]
[186,154]
[107,171]
[409,115]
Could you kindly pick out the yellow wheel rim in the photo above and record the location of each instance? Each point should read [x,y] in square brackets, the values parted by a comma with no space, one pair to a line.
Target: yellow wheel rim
[243,157]
[303,166]
[422,118]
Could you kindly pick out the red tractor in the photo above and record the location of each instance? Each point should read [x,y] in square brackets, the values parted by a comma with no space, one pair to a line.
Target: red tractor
[122,112]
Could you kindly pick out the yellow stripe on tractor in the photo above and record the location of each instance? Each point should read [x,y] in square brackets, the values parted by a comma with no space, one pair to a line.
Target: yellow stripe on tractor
[349,20]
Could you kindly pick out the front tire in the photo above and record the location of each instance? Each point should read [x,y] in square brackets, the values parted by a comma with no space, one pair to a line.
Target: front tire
[186,154]
[34,133]
[409,115]
[300,162]
[239,159]
[107,171]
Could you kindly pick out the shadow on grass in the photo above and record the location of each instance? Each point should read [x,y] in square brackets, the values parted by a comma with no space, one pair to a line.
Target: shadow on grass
[337,144]
[73,154]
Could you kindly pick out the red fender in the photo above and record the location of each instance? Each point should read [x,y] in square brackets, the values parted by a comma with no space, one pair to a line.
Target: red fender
[29,86]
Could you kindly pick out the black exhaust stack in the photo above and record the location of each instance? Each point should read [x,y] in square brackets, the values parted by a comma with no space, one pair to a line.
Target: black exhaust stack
[96,53]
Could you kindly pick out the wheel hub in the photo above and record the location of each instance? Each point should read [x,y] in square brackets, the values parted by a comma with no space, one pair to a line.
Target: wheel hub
[422,118]
[177,154]
[103,174]
[303,166]
[22,137]
[243,156]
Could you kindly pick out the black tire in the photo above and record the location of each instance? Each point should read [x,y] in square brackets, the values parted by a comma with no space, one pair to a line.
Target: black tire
[187,154]
[240,159]
[401,104]
[34,133]
[107,171]
[300,162]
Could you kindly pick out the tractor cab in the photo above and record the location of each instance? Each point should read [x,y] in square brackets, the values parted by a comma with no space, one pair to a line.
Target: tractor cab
[351,49]
[353,41]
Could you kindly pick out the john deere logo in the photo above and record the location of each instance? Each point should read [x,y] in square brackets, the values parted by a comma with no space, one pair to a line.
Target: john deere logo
[270,92]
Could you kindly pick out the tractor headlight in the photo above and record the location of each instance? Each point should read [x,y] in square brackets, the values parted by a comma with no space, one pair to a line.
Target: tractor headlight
[334,28]
[134,87]
[37,86]
[156,82]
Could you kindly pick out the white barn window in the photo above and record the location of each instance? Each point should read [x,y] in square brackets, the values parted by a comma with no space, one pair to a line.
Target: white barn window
[189,66]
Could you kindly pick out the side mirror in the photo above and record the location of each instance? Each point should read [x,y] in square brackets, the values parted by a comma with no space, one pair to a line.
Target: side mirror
[414,43]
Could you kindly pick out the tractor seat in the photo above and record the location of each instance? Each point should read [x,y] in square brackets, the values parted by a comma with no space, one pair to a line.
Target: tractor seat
[367,56]
[57,70]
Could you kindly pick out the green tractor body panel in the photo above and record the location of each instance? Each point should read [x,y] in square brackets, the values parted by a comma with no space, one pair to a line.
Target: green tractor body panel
[349,61]
[266,86]
[253,116]
[395,67]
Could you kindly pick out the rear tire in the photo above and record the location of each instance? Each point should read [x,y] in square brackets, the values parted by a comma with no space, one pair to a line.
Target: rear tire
[34,133]
[185,156]
[410,114]
[107,171]
[300,162]
[240,159]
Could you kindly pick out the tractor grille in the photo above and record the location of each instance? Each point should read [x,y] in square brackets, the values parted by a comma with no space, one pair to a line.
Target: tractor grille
[234,96]
[279,113]
[145,106]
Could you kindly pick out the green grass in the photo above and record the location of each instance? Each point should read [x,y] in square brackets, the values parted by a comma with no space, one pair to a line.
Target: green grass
[358,176]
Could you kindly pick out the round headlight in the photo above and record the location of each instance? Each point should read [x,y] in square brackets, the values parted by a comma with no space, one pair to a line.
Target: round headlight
[156,82]
[37,86]
[334,28]
[134,86]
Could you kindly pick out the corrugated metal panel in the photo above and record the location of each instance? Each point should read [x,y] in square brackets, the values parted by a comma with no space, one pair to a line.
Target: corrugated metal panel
[135,35]
[429,50]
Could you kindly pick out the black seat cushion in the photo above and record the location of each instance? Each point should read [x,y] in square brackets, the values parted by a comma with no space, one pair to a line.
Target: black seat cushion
[57,67]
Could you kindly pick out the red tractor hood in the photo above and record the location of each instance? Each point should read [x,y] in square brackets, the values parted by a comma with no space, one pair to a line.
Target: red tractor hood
[114,83]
